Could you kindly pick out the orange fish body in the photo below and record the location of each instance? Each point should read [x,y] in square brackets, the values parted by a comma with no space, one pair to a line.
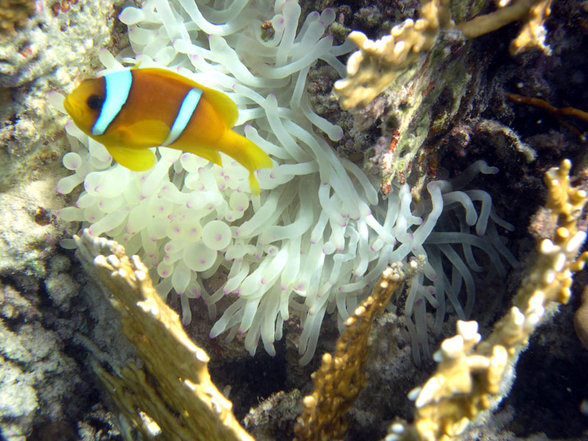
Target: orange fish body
[131,110]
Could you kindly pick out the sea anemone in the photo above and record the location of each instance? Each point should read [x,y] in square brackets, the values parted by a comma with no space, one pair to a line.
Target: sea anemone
[317,235]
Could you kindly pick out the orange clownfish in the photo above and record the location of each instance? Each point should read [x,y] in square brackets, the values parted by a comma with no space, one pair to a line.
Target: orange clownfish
[131,110]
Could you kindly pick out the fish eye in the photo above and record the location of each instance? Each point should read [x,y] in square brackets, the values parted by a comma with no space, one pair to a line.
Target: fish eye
[94,102]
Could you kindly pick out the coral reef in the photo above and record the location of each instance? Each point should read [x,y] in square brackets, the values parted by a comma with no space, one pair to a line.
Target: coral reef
[14,14]
[450,113]
[378,64]
[172,396]
[473,375]
[314,204]
[44,391]
[416,79]
[25,241]
[341,376]
[47,53]
[35,372]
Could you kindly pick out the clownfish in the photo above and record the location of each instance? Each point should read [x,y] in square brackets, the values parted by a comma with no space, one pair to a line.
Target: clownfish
[131,110]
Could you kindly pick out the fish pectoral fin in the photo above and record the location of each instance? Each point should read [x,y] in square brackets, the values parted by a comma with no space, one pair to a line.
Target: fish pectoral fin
[131,158]
[145,133]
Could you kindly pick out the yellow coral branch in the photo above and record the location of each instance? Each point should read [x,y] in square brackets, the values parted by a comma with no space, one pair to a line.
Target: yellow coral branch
[473,376]
[533,33]
[493,21]
[173,396]
[341,377]
[378,64]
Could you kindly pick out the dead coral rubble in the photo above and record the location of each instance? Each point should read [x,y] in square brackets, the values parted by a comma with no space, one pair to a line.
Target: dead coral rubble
[172,397]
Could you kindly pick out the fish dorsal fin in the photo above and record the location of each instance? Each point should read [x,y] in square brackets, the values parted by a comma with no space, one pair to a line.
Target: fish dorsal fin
[133,159]
[227,109]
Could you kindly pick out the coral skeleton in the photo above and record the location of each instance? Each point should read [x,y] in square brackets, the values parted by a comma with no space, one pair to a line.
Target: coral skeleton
[318,236]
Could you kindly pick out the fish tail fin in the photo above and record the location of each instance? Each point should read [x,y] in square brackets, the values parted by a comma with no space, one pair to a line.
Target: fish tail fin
[246,153]
[253,184]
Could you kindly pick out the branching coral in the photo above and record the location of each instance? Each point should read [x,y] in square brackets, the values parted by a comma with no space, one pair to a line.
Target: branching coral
[532,34]
[342,376]
[378,64]
[473,375]
[174,390]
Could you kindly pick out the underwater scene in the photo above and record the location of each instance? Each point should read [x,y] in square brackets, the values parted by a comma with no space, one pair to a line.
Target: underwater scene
[293,220]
